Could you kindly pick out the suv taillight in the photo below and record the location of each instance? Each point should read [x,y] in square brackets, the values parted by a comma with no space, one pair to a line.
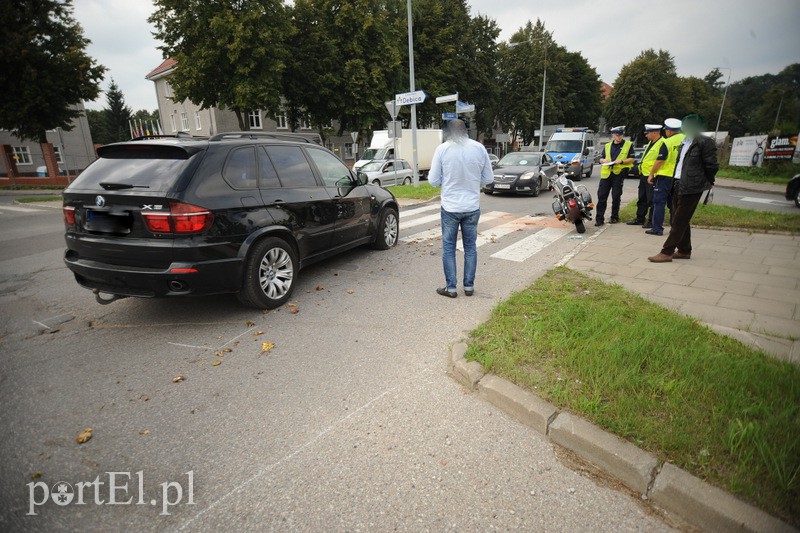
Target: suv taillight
[181,219]
[69,215]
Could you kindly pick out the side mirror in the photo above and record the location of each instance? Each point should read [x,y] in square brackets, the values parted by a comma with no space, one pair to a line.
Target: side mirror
[362,179]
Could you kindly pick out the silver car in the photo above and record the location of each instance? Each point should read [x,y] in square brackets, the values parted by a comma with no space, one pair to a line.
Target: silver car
[386,173]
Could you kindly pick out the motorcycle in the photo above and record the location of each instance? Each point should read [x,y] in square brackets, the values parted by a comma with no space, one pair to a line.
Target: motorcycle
[572,203]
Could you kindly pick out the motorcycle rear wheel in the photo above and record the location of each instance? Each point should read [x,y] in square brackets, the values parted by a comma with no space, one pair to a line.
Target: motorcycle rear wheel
[580,227]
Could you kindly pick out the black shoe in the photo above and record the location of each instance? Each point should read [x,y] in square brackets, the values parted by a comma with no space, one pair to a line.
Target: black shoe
[445,292]
[614,220]
[469,292]
[634,222]
[599,223]
[647,225]
[653,232]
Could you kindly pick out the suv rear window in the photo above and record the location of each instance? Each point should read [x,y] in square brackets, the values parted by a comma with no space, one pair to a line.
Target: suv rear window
[146,167]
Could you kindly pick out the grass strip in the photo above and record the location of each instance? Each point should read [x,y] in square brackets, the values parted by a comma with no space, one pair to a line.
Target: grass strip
[724,216]
[31,199]
[703,401]
[779,174]
[425,191]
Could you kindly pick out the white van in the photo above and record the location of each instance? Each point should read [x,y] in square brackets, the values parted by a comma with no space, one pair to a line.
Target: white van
[575,149]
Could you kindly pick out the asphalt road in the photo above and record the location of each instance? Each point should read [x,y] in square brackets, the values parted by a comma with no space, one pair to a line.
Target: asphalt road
[348,424]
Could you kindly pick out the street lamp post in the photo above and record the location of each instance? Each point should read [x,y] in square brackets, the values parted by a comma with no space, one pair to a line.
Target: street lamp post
[412,88]
[544,86]
[722,105]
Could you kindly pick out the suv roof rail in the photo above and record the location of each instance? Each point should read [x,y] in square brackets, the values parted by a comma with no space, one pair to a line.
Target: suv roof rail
[311,138]
[179,135]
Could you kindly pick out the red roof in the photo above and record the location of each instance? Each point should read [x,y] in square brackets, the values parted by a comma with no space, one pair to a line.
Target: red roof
[605,89]
[163,67]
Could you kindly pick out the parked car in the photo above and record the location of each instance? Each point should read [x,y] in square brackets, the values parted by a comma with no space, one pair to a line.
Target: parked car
[237,213]
[385,173]
[522,172]
[793,190]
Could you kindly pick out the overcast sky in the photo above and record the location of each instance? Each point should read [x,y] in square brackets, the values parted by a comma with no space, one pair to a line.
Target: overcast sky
[752,37]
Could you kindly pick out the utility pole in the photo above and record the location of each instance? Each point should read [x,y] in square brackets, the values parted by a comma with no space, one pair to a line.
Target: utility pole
[722,106]
[412,88]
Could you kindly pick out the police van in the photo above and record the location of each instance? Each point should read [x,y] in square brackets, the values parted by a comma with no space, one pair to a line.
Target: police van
[575,149]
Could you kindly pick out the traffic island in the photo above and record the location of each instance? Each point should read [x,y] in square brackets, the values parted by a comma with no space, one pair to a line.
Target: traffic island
[676,412]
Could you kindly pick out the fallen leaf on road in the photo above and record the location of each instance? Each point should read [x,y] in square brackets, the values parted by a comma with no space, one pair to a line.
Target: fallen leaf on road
[320,288]
[291,304]
[258,333]
[294,310]
[250,323]
[36,475]
[178,379]
[350,291]
[84,436]
[216,363]
[218,354]
[266,346]
[144,432]
[227,350]
[144,398]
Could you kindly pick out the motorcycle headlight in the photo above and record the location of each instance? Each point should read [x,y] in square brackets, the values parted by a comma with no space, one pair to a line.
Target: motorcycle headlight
[528,175]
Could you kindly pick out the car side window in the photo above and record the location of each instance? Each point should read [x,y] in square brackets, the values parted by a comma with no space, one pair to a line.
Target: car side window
[240,170]
[269,177]
[292,166]
[330,168]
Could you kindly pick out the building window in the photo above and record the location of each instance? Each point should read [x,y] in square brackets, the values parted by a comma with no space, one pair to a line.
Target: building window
[57,151]
[282,121]
[172,123]
[184,122]
[197,124]
[305,124]
[22,154]
[254,119]
[348,150]
[167,90]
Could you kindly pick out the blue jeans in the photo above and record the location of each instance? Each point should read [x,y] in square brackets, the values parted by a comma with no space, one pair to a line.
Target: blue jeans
[468,222]
[662,189]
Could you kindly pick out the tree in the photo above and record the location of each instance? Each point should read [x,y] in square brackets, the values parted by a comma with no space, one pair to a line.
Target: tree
[757,103]
[230,53]
[46,72]
[98,126]
[647,90]
[344,58]
[117,114]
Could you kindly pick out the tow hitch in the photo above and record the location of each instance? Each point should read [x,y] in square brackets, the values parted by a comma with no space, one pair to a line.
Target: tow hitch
[106,301]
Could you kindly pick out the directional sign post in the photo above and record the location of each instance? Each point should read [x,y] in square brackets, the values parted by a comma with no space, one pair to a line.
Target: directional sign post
[447,98]
[463,107]
[449,116]
[411,98]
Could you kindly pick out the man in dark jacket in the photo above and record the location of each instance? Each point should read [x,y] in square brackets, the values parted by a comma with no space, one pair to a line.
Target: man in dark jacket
[695,172]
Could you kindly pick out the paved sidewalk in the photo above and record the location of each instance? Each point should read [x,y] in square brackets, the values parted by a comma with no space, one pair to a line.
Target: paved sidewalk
[743,285]
[745,185]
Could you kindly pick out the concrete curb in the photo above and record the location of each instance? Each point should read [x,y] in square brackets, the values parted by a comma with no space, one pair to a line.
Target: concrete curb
[669,487]
[753,186]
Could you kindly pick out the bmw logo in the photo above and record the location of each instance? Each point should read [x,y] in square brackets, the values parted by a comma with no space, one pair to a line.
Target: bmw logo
[99,201]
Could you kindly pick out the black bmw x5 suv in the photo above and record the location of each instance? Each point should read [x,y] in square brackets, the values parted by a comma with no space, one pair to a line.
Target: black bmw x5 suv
[239,213]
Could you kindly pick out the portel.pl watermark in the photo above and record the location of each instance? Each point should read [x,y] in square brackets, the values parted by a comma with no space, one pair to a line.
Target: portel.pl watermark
[119,488]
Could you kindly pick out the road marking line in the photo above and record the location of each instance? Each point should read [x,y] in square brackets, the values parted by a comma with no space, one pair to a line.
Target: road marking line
[420,221]
[575,251]
[529,246]
[502,230]
[418,210]
[768,201]
[437,232]
[18,209]
[268,468]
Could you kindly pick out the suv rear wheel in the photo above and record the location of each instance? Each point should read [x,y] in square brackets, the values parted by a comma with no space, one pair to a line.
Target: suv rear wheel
[269,274]
[388,230]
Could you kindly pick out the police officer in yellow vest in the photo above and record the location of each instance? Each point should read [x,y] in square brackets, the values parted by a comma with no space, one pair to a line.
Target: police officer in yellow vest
[655,153]
[663,174]
[617,162]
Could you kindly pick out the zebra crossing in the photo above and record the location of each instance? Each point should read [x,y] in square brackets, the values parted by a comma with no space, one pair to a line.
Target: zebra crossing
[522,237]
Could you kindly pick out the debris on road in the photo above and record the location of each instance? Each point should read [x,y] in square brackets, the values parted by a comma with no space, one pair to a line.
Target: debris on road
[84,436]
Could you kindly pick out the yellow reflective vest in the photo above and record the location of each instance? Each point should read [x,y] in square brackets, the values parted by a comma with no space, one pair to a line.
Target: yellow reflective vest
[606,171]
[650,156]
[674,146]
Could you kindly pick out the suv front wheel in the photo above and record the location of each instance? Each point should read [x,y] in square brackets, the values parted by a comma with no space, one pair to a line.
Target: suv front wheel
[269,274]
[388,229]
